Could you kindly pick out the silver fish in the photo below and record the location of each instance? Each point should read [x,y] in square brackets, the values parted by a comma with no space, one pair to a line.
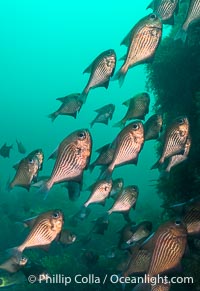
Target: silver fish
[101,70]
[104,114]
[142,42]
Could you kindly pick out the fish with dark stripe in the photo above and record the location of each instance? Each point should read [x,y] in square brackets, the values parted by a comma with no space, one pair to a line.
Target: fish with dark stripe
[165,9]
[142,42]
[73,156]
[193,15]
[175,138]
[152,127]
[44,229]
[101,70]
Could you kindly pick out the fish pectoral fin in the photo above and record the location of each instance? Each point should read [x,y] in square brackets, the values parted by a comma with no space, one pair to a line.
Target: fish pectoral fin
[74,114]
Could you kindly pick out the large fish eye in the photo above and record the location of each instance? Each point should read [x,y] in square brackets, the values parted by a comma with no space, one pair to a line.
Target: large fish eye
[153,16]
[181,121]
[177,222]
[135,126]
[106,188]
[81,135]
[56,215]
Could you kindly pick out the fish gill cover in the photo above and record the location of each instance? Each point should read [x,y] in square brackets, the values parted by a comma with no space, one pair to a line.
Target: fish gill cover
[45,48]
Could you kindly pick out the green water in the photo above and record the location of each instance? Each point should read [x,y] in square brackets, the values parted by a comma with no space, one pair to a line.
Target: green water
[45,47]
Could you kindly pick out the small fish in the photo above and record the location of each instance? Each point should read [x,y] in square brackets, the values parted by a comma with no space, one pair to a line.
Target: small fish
[139,233]
[27,172]
[100,191]
[5,151]
[165,9]
[7,280]
[126,200]
[67,237]
[153,127]
[21,148]
[101,70]
[175,138]
[142,42]
[177,159]
[138,107]
[12,265]
[45,228]
[104,114]
[117,186]
[105,157]
[100,225]
[72,158]
[127,146]
[125,233]
[167,245]
[74,190]
[193,15]
[71,105]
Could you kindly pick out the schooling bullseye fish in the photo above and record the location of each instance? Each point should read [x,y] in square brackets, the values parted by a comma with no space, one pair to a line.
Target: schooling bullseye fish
[193,15]
[175,138]
[5,150]
[127,146]
[104,114]
[71,105]
[142,42]
[165,9]
[138,107]
[26,172]
[152,127]
[101,70]
[45,228]
[73,157]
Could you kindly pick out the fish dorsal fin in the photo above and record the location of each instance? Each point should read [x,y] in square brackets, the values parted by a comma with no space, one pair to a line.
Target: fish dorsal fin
[91,187]
[149,243]
[126,40]
[105,84]
[151,5]
[88,69]
[103,148]
[54,154]
[30,222]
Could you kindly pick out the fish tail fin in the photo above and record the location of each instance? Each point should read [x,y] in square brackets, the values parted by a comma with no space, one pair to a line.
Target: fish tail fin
[53,115]
[120,75]
[15,252]
[107,173]
[83,95]
[157,164]
[92,123]
[182,35]
[45,188]
[91,167]
[120,124]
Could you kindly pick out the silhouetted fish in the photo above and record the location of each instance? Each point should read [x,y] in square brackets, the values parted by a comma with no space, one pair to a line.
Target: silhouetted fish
[138,107]
[142,42]
[152,127]
[193,15]
[71,105]
[67,237]
[5,151]
[21,148]
[104,114]
[117,186]
[74,189]
[105,157]
[12,265]
[101,70]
